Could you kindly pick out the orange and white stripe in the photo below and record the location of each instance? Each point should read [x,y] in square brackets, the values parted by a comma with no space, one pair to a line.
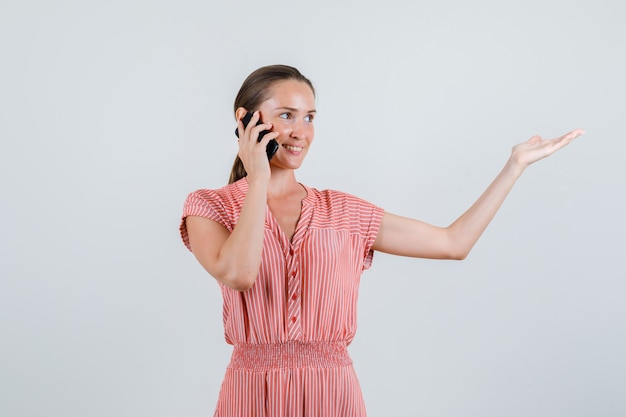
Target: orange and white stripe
[291,330]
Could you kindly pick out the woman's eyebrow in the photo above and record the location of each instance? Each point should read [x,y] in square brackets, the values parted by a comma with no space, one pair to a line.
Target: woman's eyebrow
[293,109]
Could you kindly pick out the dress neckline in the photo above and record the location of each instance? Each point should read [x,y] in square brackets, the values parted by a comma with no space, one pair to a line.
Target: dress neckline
[306,211]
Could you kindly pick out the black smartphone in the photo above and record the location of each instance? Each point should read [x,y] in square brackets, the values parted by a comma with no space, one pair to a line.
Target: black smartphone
[272,146]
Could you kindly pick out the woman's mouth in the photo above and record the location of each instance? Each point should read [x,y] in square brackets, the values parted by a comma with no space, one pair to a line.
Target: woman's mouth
[293,148]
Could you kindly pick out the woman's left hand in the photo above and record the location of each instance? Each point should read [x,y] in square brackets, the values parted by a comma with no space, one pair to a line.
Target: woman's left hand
[537,148]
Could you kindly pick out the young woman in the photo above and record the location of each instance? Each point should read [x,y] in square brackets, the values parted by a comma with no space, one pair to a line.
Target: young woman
[288,257]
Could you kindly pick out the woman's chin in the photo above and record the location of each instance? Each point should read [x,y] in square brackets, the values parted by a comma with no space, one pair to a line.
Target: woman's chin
[287,163]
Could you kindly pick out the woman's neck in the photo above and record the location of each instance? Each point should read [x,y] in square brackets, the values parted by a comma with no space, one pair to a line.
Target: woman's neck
[283,182]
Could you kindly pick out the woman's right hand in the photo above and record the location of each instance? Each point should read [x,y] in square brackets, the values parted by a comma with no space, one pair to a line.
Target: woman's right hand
[251,152]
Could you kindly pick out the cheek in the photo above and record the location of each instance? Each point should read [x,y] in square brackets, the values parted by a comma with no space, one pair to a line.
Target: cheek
[280,129]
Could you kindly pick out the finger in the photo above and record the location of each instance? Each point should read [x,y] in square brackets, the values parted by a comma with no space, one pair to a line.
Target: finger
[573,134]
[253,130]
[268,137]
[578,132]
[245,128]
[256,130]
[255,118]
[241,128]
[254,148]
[247,133]
[570,136]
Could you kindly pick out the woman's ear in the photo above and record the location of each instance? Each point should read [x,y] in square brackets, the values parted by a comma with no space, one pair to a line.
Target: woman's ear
[240,112]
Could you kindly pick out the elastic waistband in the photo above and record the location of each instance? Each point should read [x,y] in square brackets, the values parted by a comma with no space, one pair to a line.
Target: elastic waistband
[258,357]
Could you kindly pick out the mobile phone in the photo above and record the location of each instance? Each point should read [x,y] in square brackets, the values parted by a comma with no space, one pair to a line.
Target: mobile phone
[272,146]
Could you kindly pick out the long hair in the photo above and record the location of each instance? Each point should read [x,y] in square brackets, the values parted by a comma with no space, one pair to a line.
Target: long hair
[254,91]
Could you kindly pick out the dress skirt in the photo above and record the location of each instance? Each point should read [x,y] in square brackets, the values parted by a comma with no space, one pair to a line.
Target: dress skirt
[291,379]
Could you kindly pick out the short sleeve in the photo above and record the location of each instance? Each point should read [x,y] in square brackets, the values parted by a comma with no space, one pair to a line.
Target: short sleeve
[360,217]
[203,203]
[370,227]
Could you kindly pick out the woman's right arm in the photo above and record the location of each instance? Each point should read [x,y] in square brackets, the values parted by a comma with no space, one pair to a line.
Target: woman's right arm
[234,258]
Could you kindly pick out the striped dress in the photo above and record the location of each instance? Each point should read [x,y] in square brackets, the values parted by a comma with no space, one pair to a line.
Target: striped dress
[291,329]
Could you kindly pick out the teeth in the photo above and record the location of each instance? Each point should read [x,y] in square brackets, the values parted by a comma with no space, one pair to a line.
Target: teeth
[293,148]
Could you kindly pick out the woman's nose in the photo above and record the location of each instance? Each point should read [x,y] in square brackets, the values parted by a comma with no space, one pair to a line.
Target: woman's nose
[299,130]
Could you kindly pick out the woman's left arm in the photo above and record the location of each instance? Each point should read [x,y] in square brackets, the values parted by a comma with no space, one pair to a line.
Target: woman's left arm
[408,237]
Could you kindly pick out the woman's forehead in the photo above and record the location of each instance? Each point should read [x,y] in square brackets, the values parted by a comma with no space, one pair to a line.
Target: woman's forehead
[291,94]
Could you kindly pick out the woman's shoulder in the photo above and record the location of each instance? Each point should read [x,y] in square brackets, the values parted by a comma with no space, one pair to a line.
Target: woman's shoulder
[340,210]
[334,197]
[233,191]
[224,202]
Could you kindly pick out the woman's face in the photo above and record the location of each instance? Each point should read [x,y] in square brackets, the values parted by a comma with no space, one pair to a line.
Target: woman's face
[291,109]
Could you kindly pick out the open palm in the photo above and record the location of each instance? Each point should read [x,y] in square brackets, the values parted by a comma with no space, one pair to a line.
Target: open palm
[537,148]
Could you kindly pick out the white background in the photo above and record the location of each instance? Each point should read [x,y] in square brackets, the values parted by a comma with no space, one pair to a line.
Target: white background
[111,112]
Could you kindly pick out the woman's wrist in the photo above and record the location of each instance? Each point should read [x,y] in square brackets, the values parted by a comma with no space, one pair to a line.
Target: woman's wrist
[256,181]
[514,166]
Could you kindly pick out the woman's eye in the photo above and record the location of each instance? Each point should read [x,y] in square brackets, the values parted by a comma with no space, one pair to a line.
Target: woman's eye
[309,118]
[284,116]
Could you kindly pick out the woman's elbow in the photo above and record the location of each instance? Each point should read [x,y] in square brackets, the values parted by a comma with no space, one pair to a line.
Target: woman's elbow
[240,281]
[459,256]
[233,276]
[242,285]
[457,252]
[451,255]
